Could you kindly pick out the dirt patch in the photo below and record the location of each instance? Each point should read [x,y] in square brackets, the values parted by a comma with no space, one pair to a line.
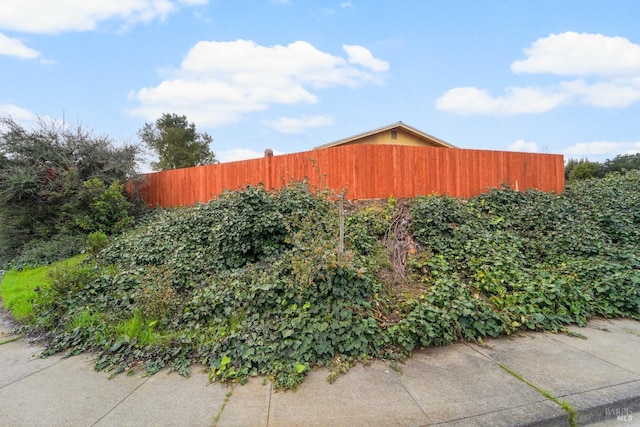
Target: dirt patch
[7,322]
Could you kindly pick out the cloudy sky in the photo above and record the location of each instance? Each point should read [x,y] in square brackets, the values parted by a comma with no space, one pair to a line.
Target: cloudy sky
[557,76]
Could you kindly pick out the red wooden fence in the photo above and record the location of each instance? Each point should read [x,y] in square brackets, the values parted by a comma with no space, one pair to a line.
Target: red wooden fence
[365,172]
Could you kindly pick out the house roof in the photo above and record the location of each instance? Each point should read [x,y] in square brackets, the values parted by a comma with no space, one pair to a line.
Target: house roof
[393,126]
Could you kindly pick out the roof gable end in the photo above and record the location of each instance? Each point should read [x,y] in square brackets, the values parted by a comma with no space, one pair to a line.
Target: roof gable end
[399,126]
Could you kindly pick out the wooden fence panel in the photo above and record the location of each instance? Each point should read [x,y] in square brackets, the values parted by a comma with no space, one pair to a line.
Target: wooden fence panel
[365,172]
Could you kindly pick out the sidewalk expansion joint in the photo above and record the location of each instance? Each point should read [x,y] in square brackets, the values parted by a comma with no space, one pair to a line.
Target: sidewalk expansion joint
[32,373]
[397,376]
[604,387]
[12,339]
[224,403]
[121,400]
[593,355]
[630,331]
[269,405]
[562,403]
[472,417]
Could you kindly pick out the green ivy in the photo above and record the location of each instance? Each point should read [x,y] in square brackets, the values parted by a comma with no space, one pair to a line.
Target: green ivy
[251,283]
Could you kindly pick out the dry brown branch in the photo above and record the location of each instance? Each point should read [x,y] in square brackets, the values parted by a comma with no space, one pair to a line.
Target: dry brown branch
[399,241]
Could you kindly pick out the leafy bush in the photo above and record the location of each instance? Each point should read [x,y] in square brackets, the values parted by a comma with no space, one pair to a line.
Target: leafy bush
[57,302]
[585,169]
[535,260]
[368,226]
[251,279]
[43,190]
[105,209]
[46,251]
[96,242]
[579,169]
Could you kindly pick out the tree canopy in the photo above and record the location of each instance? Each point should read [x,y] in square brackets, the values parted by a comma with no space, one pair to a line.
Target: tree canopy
[579,169]
[176,143]
[622,162]
[576,170]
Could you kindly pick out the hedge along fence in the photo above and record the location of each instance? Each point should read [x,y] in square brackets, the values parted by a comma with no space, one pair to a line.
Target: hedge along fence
[365,172]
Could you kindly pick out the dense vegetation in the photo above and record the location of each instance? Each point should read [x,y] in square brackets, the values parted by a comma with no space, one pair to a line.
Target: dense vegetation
[252,284]
[579,169]
[57,184]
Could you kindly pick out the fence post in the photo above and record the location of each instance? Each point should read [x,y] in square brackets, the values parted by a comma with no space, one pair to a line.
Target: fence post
[341,210]
[268,157]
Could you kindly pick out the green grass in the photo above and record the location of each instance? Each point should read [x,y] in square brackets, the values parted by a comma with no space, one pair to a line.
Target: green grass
[84,319]
[226,400]
[18,287]
[137,328]
[571,412]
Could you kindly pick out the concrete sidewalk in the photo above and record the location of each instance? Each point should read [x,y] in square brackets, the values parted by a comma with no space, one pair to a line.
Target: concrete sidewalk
[497,384]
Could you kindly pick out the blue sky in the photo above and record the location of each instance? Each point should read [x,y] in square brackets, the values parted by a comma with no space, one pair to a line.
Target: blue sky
[554,76]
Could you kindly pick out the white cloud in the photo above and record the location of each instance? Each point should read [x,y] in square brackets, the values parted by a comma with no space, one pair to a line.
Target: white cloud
[362,56]
[26,118]
[207,102]
[607,94]
[346,4]
[612,63]
[46,16]
[523,146]
[14,47]
[601,149]
[572,53]
[298,125]
[516,100]
[238,154]
[19,114]
[217,82]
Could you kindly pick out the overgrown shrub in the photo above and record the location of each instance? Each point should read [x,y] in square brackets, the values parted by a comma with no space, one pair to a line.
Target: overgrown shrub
[252,278]
[531,259]
[252,283]
[103,209]
[46,251]
[96,241]
[43,190]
